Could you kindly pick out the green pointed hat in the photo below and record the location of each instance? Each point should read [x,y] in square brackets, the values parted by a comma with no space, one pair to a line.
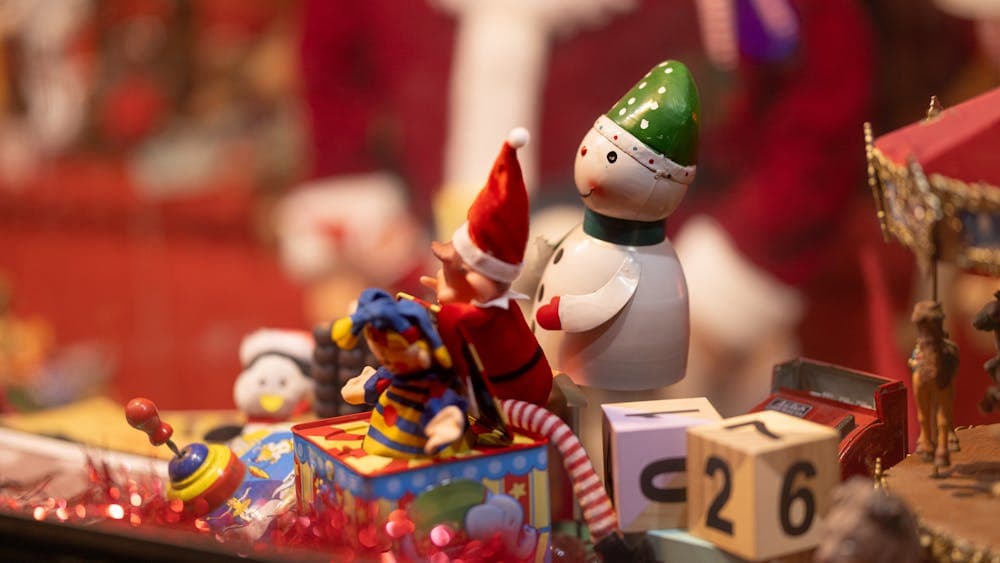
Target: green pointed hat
[662,112]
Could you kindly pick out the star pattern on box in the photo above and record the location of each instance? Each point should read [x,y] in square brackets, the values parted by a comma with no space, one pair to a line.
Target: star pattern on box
[267,453]
[517,491]
[339,444]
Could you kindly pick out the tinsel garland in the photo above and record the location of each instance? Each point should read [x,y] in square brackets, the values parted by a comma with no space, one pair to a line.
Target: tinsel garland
[116,495]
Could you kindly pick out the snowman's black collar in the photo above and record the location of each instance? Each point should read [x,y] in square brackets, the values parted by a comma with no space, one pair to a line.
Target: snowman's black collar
[624,231]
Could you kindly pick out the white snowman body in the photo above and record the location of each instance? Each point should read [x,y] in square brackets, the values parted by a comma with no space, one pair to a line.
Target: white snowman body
[623,307]
[613,292]
[641,346]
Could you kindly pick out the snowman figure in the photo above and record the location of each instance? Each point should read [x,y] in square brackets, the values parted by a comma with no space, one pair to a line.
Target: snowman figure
[611,308]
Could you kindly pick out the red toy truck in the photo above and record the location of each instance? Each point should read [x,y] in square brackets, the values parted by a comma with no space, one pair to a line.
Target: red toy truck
[869,411]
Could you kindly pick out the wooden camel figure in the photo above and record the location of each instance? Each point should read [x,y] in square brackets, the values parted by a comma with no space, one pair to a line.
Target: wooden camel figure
[988,319]
[934,363]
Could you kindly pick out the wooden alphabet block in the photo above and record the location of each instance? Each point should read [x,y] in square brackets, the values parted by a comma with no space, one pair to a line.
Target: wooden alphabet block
[759,484]
[645,445]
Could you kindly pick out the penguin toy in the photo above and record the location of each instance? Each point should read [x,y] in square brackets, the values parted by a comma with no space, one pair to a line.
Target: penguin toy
[275,383]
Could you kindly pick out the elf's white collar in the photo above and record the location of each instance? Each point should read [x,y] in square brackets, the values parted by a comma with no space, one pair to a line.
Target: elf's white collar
[503,301]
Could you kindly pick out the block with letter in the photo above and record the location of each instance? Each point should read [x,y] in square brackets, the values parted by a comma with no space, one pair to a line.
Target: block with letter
[759,484]
[645,445]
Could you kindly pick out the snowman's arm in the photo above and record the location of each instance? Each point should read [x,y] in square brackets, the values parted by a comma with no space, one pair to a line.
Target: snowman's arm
[577,313]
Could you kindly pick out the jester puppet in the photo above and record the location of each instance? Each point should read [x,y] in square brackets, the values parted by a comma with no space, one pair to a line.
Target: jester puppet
[419,410]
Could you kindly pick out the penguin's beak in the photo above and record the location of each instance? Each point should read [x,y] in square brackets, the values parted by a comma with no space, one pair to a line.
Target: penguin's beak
[271,403]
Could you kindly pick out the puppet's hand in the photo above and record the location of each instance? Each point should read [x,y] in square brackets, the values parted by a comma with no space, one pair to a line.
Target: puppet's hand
[353,391]
[429,282]
[444,429]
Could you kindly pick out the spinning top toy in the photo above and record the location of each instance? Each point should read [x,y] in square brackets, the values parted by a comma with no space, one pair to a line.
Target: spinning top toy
[203,476]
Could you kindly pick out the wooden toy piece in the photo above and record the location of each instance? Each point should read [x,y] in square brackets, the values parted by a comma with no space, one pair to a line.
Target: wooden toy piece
[646,448]
[988,319]
[141,414]
[758,484]
[611,307]
[202,476]
[934,363]
[332,366]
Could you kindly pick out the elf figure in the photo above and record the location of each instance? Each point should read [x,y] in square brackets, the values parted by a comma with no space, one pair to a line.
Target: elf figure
[480,323]
[612,304]
[417,408]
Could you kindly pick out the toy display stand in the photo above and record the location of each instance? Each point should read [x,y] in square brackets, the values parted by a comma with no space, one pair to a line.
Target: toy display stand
[936,185]
[957,515]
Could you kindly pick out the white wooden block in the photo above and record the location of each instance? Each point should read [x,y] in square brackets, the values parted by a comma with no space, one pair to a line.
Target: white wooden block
[759,484]
[645,448]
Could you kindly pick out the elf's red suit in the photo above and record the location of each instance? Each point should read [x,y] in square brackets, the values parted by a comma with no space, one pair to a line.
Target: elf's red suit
[514,363]
[478,313]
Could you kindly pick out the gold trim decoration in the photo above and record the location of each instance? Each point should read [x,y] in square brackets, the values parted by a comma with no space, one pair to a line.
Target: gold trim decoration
[942,548]
[937,217]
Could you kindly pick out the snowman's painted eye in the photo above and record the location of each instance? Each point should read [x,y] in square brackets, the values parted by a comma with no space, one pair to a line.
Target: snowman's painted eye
[612,157]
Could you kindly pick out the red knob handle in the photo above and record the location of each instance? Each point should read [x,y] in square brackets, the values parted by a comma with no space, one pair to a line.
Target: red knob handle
[141,415]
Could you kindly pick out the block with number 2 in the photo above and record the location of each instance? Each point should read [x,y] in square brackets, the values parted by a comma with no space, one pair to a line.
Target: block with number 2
[758,484]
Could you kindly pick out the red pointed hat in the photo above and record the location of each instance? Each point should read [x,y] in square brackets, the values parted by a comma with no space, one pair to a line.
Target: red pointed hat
[493,238]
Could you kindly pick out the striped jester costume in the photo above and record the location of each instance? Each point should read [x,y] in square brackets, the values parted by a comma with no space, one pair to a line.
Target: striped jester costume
[415,389]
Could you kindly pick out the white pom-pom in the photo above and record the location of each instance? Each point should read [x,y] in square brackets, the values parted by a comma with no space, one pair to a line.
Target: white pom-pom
[518,137]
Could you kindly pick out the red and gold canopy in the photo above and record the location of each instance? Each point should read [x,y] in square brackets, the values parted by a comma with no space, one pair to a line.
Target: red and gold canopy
[936,184]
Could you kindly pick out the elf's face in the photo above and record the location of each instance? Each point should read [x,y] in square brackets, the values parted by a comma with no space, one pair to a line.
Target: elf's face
[613,183]
[457,283]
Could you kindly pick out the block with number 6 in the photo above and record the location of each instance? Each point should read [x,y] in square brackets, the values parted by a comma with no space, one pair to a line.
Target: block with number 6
[759,484]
